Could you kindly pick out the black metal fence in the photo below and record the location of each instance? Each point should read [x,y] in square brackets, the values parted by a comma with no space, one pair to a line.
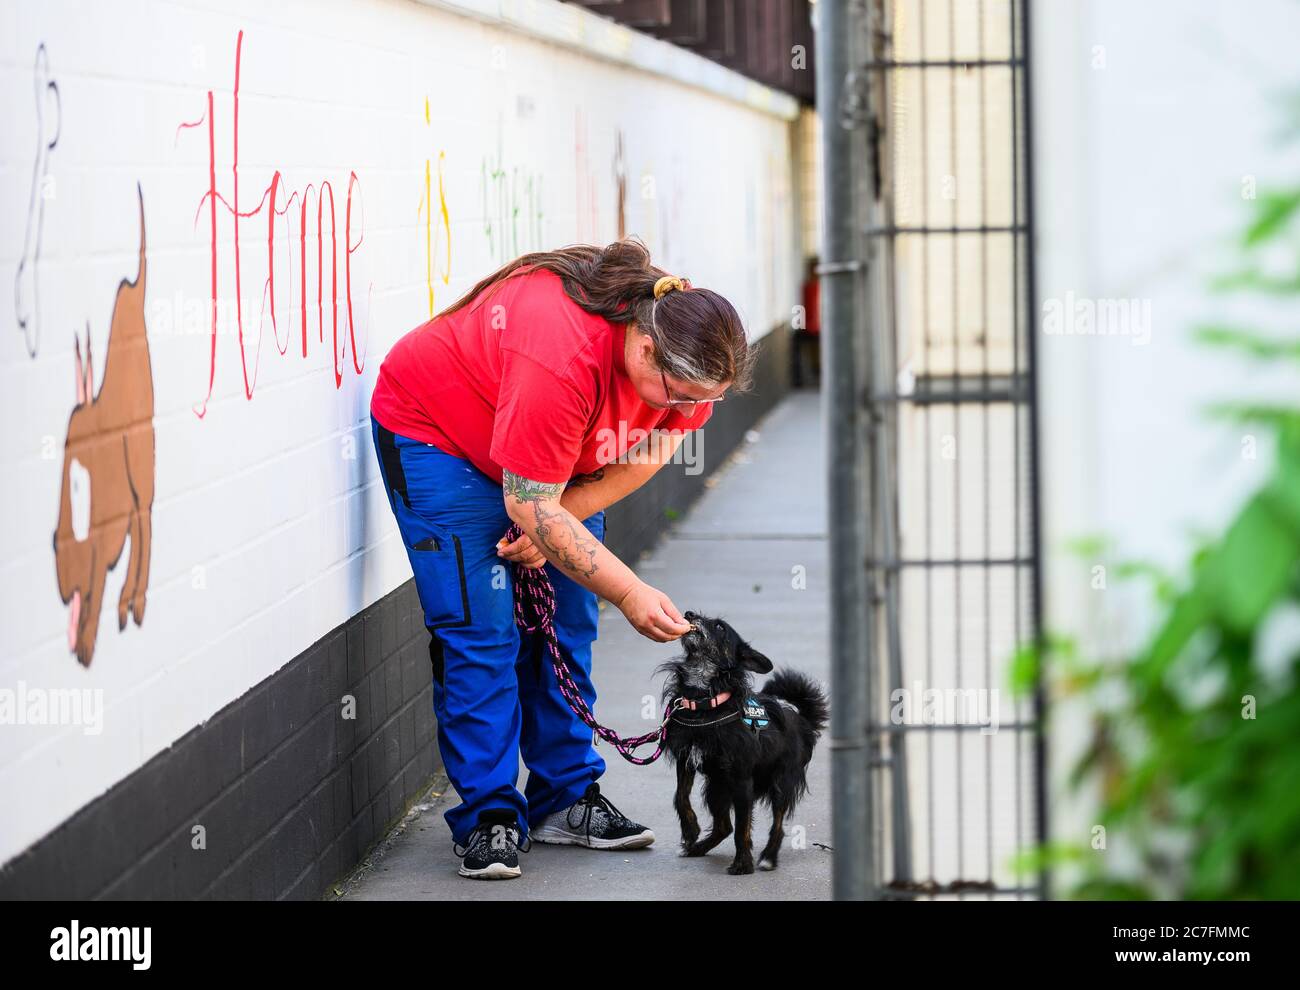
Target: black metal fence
[938,340]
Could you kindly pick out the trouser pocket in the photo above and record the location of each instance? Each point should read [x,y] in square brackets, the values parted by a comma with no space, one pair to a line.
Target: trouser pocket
[437,559]
[438,563]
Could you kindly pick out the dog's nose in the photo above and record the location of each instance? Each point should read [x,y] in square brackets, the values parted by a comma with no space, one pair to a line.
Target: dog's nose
[690,616]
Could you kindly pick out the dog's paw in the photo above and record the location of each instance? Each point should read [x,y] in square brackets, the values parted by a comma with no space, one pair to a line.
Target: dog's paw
[691,849]
[766,865]
[740,869]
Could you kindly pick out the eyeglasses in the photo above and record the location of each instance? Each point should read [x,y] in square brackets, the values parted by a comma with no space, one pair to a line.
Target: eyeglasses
[670,401]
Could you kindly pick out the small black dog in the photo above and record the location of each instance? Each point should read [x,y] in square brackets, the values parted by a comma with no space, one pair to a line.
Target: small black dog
[749,746]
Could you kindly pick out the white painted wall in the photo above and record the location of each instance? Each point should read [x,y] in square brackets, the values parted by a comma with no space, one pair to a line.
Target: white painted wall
[268,530]
[1148,118]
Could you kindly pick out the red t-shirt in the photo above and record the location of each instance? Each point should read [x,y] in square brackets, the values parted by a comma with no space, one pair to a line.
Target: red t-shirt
[524,380]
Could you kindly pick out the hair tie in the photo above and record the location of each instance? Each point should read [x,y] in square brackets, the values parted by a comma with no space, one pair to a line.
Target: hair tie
[666,285]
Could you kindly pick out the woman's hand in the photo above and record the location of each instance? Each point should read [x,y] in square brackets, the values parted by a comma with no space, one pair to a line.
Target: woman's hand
[652,613]
[522,551]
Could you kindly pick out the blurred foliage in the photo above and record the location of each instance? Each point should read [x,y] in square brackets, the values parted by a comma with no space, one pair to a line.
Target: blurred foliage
[1201,799]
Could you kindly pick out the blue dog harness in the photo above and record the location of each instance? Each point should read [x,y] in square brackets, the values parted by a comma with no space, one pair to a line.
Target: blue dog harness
[754,715]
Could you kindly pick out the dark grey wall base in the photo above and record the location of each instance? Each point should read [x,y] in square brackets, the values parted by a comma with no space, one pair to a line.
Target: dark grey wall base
[289,794]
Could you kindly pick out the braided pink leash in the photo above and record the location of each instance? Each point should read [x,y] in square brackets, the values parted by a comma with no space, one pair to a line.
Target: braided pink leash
[535,612]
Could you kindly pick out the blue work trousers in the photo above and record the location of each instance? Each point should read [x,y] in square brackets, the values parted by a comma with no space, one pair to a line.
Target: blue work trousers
[494,693]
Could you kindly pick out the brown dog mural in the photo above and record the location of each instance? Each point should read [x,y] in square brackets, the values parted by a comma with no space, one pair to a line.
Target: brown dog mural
[108,472]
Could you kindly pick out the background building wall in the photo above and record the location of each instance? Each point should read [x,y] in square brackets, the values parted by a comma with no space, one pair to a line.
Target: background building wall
[1153,123]
[443,145]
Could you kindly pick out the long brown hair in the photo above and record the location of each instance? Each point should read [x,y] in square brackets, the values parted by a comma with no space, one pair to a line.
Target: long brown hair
[697,333]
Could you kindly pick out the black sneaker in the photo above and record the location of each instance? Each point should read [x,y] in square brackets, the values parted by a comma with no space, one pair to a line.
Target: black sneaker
[593,822]
[492,850]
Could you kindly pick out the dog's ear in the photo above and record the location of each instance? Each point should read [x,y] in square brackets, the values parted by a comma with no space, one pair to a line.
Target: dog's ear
[751,659]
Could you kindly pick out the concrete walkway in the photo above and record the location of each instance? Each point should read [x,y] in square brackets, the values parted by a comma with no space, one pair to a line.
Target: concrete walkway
[753,550]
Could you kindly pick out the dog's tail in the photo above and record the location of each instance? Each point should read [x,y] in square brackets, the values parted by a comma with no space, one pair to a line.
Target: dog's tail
[804,693]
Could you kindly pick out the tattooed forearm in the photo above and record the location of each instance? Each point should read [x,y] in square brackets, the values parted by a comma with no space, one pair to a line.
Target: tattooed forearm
[566,538]
[558,532]
[524,490]
[587,479]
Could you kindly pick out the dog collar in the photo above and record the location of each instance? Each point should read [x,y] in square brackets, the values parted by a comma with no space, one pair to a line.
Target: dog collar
[713,702]
[701,723]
